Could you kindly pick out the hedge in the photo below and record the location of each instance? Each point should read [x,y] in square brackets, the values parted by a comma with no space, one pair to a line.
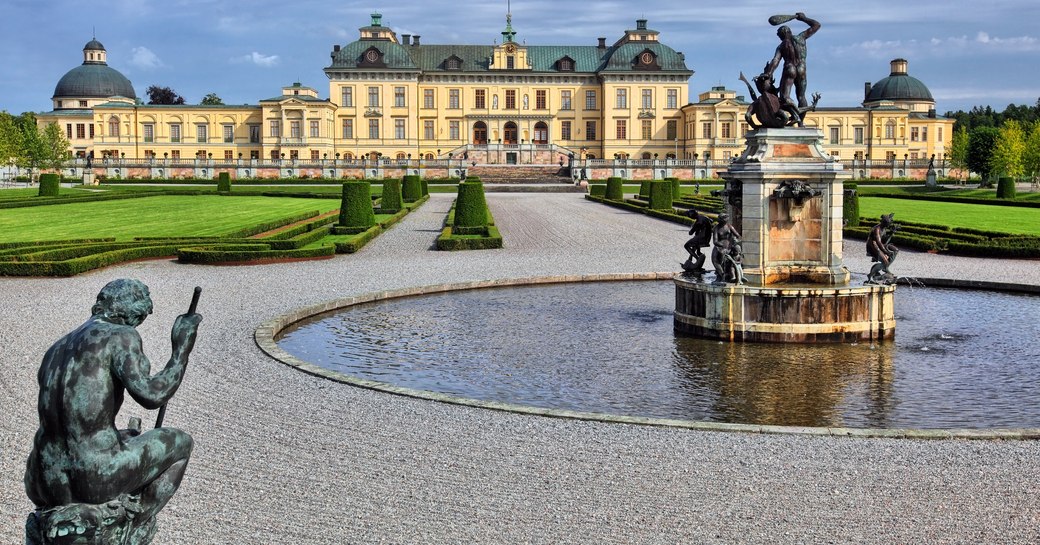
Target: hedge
[1005,187]
[660,195]
[75,266]
[238,253]
[471,211]
[391,201]
[615,188]
[50,184]
[411,189]
[676,191]
[598,190]
[224,182]
[475,238]
[644,189]
[355,211]
[850,206]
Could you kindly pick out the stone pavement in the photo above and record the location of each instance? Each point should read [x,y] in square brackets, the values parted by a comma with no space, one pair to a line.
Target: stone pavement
[286,458]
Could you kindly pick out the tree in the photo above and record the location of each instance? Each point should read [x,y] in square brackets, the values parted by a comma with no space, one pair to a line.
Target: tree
[211,100]
[1006,158]
[1031,151]
[980,149]
[41,147]
[9,137]
[163,95]
[959,149]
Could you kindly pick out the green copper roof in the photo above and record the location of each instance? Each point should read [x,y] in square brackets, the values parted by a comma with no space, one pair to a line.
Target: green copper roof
[899,87]
[94,81]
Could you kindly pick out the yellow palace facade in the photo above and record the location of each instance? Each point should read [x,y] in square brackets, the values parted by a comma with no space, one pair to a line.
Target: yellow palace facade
[393,98]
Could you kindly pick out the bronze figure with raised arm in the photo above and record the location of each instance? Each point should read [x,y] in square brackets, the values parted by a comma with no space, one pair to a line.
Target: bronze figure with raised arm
[792,52]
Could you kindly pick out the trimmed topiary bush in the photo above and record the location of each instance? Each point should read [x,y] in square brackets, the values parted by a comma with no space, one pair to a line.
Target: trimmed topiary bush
[391,201]
[425,188]
[660,195]
[355,210]
[471,212]
[644,189]
[1005,187]
[49,185]
[597,190]
[224,182]
[850,205]
[676,193]
[615,189]
[411,188]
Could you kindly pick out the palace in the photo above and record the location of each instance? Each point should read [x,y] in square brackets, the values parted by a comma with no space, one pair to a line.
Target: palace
[393,98]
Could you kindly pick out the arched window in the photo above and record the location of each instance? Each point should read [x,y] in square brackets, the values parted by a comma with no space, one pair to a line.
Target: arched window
[646,155]
[113,126]
[509,133]
[400,156]
[348,156]
[429,157]
[541,133]
[480,133]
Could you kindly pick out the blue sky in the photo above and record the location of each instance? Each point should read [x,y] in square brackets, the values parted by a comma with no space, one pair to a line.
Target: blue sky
[246,51]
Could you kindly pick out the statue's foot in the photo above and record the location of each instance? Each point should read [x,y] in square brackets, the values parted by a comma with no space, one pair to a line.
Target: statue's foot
[143,534]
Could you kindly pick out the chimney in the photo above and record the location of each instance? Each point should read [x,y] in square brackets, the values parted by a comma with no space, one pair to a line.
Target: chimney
[335,48]
[602,43]
[931,113]
[415,40]
[406,39]
[866,90]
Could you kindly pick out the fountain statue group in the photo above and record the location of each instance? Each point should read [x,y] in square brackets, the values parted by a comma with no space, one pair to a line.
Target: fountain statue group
[726,254]
[91,482]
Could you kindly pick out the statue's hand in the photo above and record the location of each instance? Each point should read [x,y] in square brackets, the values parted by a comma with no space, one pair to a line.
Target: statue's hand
[185,328]
[800,16]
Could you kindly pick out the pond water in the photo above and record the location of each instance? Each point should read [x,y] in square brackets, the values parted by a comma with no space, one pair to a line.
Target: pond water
[961,359]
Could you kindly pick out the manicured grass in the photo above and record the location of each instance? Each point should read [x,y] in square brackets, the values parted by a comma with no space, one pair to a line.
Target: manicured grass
[1005,219]
[160,216]
[33,192]
[947,191]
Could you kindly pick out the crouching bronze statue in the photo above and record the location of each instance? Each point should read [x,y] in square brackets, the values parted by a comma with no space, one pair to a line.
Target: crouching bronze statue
[91,482]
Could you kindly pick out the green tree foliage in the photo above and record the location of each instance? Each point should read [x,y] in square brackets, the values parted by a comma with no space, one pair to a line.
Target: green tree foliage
[1006,158]
[212,100]
[9,137]
[985,116]
[959,149]
[40,147]
[980,148]
[163,95]
[1031,153]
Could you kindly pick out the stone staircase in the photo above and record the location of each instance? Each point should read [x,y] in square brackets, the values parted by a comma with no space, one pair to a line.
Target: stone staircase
[534,178]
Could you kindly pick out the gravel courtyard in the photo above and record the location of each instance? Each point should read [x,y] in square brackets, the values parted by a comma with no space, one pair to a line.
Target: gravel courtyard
[282,457]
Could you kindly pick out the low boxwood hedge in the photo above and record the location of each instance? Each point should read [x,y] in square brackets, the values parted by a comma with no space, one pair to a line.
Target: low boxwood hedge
[486,237]
[249,253]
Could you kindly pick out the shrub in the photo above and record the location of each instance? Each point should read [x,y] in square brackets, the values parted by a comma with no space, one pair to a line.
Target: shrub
[425,188]
[598,190]
[355,211]
[411,190]
[615,191]
[644,189]
[676,193]
[49,185]
[850,206]
[224,182]
[1005,187]
[391,201]
[660,195]
[471,212]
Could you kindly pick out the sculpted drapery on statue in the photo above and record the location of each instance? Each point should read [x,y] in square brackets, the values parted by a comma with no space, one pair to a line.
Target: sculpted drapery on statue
[90,481]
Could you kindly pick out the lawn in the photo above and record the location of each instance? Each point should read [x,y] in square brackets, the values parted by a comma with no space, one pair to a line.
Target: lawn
[160,216]
[1007,219]
[32,192]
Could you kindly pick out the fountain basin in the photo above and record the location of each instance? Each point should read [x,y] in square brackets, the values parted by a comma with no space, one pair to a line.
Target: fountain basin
[784,313]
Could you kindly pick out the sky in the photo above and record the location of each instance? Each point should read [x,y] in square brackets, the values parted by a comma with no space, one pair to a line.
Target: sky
[247,51]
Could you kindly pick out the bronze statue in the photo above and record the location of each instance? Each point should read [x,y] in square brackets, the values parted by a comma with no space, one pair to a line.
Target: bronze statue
[881,251]
[792,51]
[91,482]
[701,237]
[726,255]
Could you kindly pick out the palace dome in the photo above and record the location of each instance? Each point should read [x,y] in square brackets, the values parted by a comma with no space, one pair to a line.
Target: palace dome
[94,78]
[899,86]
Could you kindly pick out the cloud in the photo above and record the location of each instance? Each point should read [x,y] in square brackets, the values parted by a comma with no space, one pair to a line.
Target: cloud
[982,42]
[258,59]
[142,57]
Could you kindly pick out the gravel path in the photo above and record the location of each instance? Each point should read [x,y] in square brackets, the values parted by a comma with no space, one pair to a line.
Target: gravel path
[285,458]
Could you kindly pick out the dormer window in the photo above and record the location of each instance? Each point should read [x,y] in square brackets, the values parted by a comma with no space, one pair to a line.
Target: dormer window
[647,60]
[453,63]
[565,64]
[372,58]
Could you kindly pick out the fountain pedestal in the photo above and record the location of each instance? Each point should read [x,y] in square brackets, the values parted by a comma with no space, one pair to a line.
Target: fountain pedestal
[784,195]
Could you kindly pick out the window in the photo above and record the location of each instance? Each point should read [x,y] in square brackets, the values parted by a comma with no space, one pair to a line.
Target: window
[566,65]
[399,131]
[915,134]
[913,156]
[835,135]
[254,155]
[315,128]
[92,130]
[113,126]
[590,130]
[373,97]
[648,99]
[373,128]
[453,63]
[175,132]
[590,100]
[510,62]
[924,134]
[229,133]
[938,134]
[314,155]
[857,134]
[510,99]
[68,131]
[229,155]
[890,156]
[348,128]
[727,130]
[149,132]
[480,99]
[274,155]
[200,154]
[427,98]
[648,129]
[565,100]
[890,130]
[428,129]
[539,99]
[744,129]
[347,97]
[622,126]
[673,98]
[706,129]
[201,133]
[672,129]
[622,99]
[565,130]
[149,154]
[453,130]
[858,156]
[295,130]
[399,97]
[276,128]
[294,154]
[175,154]
[83,104]
[254,134]
[453,98]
